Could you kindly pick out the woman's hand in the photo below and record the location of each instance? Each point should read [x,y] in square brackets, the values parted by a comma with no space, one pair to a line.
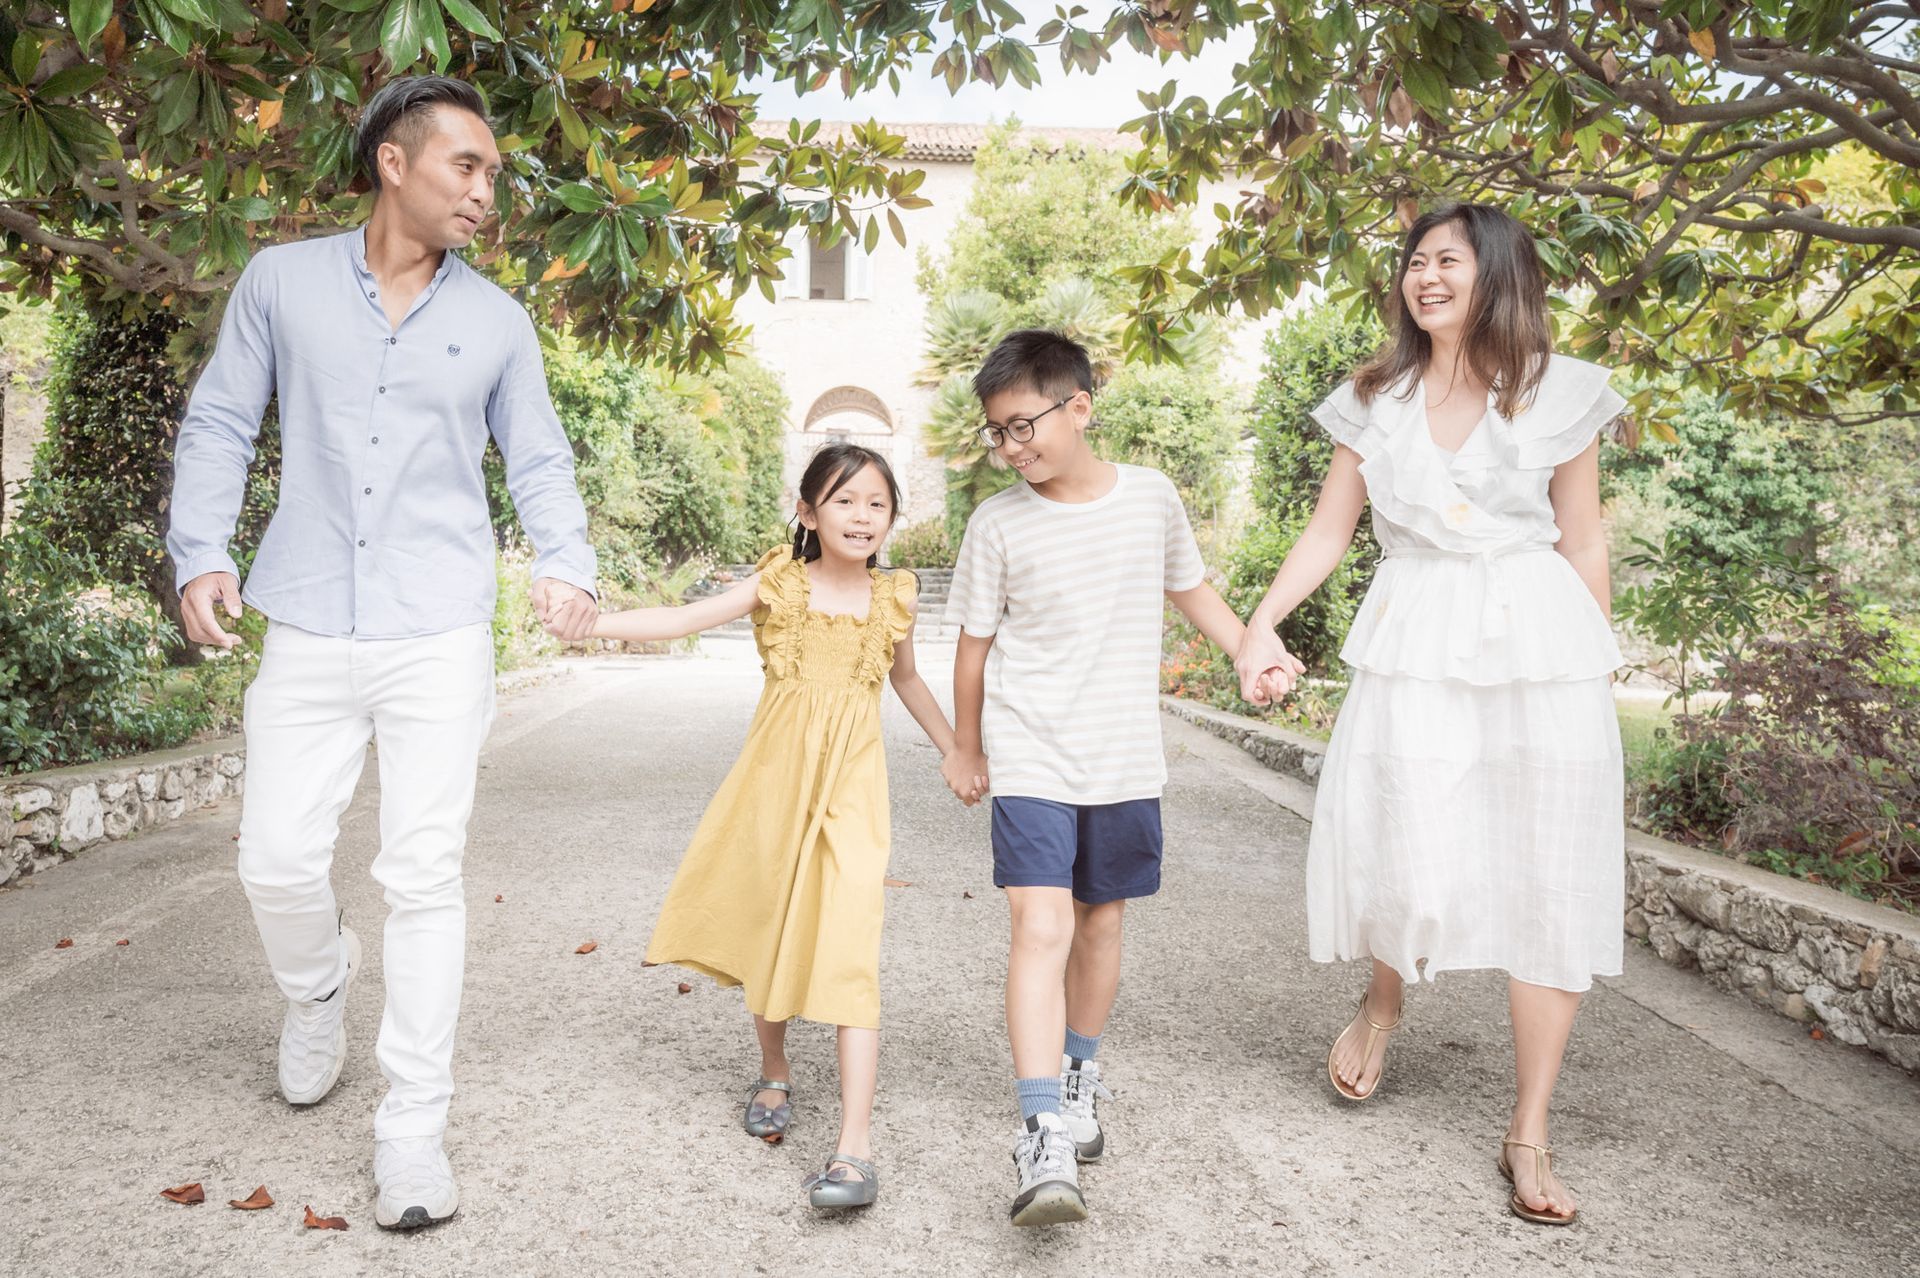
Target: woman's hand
[1267,670]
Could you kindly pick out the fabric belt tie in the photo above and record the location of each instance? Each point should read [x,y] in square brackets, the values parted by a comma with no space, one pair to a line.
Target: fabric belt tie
[1486,582]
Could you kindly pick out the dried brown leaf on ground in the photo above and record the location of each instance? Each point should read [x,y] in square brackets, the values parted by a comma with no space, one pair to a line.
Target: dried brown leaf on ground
[497,898]
[123,941]
[64,943]
[187,1194]
[966,896]
[898,883]
[588,948]
[255,1201]
[685,988]
[324,1222]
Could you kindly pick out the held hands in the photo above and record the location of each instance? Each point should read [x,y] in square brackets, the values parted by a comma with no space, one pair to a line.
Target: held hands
[197,608]
[1267,670]
[965,772]
[566,611]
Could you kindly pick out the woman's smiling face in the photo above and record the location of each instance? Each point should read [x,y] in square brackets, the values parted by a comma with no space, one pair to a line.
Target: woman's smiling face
[1438,284]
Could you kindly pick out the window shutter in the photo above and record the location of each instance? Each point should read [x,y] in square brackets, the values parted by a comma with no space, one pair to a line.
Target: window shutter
[859,272]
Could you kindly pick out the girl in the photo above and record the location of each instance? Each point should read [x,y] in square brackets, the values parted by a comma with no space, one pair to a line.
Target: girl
[1470,810]
[780,891]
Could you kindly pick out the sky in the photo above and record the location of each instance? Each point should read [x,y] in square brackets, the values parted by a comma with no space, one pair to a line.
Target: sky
[1104,100]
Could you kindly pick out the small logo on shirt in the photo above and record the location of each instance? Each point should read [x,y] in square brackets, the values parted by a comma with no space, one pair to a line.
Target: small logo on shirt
[453,350]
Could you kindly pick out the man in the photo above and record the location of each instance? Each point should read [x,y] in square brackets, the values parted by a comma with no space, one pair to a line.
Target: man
[393,362]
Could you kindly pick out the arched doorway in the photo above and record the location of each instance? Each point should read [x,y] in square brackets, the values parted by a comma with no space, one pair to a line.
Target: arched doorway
[848,413]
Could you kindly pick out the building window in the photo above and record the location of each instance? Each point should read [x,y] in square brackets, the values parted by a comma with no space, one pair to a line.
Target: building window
[841,273]
[827,271]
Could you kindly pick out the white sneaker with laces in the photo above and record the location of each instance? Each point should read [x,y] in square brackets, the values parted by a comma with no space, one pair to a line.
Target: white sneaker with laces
[415,1182]
[1049,1176]
[1080,1094]
[313,1037]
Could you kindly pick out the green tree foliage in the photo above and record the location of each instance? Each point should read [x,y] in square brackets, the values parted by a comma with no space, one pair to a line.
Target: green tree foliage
[1673,158]
[149,147]
[103,476]
[1735,488]
[1041,212]
[672,470]
[1176,420]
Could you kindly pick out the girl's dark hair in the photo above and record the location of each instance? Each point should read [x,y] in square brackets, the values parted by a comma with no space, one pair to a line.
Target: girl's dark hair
[832,467]
[1506,341]
[400,112]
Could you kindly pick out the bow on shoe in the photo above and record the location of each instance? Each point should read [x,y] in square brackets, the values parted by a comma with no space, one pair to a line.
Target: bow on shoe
[833,1174]
[779,1115]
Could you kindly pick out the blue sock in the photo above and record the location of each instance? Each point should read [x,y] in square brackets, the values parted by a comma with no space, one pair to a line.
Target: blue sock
[1038,1095]
[1081,1046]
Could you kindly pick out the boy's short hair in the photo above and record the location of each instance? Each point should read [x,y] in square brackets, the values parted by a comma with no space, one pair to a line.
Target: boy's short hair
[1040,360]
[402,112]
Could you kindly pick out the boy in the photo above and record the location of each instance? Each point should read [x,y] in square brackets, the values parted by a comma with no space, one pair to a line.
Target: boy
[1058,591]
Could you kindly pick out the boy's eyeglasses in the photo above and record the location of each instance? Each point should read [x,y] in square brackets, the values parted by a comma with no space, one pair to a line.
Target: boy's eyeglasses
[1019,429]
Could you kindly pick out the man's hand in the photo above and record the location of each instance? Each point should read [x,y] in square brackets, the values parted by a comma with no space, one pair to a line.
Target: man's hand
[1267,670]
[567,611]
[965,772]
[197,608]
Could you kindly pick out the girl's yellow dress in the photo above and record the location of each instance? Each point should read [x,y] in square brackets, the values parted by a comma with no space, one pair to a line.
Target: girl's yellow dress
[781,889]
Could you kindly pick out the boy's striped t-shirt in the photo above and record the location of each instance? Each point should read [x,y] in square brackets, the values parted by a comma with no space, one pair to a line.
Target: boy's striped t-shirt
[1073,596]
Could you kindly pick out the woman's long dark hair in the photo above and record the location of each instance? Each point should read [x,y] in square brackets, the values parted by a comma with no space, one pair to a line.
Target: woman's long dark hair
[830,470]
[1506,341]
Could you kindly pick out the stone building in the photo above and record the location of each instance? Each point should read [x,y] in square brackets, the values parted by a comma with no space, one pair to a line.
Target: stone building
[845,333]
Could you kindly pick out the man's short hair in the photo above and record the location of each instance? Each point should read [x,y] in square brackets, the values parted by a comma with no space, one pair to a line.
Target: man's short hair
[402,111]
[1040,360]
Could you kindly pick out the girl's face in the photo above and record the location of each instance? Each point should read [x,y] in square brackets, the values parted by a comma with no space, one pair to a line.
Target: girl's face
[1438,285]
[852,522]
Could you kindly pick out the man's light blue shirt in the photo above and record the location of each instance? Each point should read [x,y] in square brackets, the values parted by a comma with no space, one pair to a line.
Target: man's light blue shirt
[382,529]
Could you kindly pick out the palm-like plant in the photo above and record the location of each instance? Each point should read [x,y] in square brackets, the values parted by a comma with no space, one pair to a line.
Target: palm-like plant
[961,328]
[974,472]
[1075,307]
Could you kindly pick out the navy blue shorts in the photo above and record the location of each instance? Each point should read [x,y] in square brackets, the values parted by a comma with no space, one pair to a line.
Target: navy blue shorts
[1103,851]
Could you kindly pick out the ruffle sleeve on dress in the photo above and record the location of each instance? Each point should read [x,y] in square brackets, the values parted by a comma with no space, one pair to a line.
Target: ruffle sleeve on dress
[1571,406]
[783,604]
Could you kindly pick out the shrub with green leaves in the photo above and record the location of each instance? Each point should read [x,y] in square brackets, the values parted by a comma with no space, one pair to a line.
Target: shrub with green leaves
[671,469]
[1176,420]
[921,545]
[103,476]
[78,662]
[1819,755]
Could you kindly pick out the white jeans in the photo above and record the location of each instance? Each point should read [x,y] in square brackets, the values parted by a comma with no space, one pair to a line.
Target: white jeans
[310,712]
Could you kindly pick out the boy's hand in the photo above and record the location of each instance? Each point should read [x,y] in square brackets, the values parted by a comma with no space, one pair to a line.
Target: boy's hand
[965,772]
[1273,685]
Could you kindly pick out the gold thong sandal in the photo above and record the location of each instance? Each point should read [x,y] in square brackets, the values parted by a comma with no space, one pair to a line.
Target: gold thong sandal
[1374,1031]
[1542,1169]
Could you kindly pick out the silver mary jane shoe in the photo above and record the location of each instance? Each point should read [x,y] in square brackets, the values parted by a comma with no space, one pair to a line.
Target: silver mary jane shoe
[768,1123]
[830,1187]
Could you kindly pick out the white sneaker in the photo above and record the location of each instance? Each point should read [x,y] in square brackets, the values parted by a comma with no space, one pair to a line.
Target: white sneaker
[416,1183]
[1049,1177]
[1080,1094]
[313,1037]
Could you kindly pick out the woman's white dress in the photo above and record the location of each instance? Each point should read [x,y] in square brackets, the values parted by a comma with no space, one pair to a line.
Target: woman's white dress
[1470,811]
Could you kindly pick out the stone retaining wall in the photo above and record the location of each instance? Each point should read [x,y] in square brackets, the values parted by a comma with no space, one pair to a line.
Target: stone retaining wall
[55,815]
[1810,953]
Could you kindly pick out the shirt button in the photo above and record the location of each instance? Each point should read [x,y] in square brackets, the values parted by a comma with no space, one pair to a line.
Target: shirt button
[376,439]
[373,294]
[383,390]
[393,341]
[363,543]
[366,490]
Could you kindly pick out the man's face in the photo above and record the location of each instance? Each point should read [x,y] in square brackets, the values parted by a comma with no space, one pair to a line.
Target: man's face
[444,189]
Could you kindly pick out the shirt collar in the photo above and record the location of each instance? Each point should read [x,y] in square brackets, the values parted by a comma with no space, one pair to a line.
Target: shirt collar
[357,248]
